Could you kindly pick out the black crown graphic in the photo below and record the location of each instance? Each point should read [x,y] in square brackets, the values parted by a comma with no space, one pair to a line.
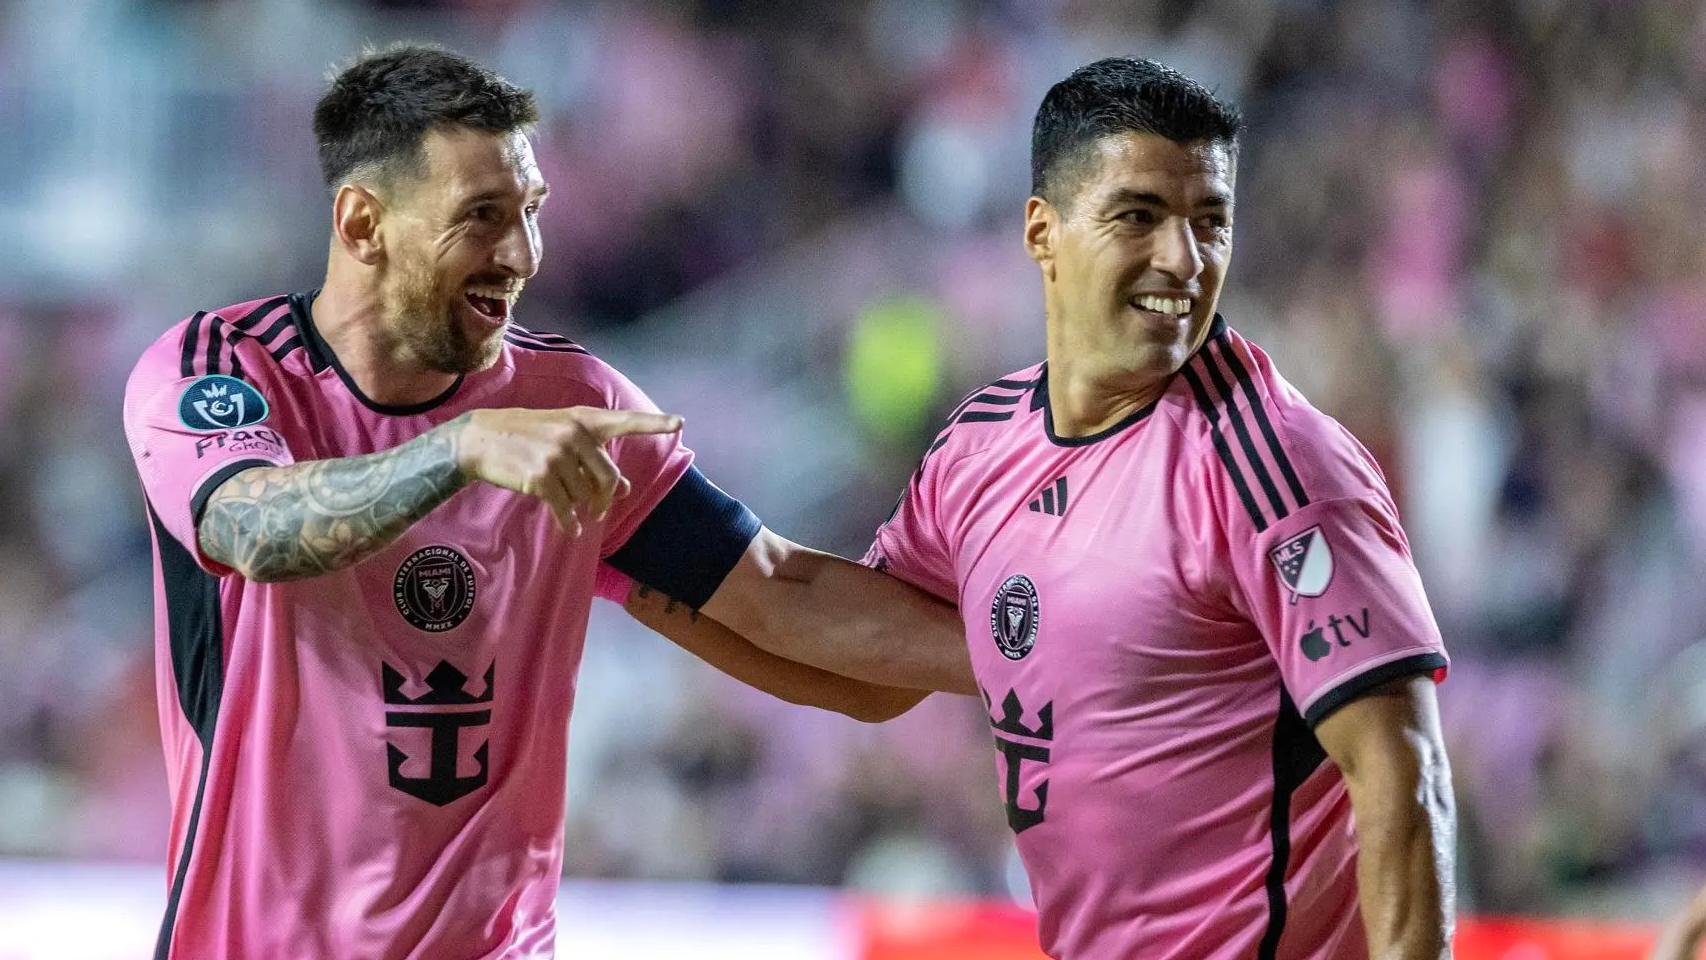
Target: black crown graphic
[1013,717]
[444,686]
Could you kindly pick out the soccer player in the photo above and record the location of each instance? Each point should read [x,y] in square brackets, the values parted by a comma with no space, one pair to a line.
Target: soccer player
[379,510]
[1187,599]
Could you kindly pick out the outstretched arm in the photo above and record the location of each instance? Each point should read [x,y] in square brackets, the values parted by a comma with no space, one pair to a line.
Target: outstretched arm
[1388,746]
[726,650]
[286,523]
[819,609]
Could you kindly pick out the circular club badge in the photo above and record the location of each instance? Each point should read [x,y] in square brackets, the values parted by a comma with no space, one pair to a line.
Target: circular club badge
[1013,616]
[434,589]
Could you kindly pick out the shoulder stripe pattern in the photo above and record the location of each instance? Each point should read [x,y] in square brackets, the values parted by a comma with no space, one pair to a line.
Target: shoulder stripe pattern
[1216,376]
[964,414]
[1230,356]
[541,341]
[210,340]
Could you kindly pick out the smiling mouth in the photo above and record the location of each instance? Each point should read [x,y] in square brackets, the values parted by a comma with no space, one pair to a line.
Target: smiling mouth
[490,304]
[1166,306]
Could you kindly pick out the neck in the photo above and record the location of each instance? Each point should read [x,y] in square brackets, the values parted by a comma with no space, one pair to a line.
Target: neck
[349,316]
[1086,396]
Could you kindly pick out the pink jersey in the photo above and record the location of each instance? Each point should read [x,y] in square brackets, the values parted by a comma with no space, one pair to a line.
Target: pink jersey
[1158,615]
[368,763]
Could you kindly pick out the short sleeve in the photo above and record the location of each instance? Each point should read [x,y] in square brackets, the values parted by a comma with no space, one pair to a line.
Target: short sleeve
[909,545]
[652,463]
[188,434]
[1337,598]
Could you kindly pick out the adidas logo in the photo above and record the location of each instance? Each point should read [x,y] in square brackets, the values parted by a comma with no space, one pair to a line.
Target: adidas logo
[1052,501]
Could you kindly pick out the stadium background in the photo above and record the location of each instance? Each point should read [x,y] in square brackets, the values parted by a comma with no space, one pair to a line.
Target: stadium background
[1467,229]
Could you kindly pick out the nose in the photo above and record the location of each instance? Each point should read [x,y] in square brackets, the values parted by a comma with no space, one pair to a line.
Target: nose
[518,252]
[1175,251]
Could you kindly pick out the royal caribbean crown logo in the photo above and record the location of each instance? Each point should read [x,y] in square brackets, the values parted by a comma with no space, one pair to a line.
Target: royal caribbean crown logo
[218,402]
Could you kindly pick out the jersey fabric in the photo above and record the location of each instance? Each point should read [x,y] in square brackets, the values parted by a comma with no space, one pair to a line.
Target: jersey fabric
[368,763]
[1158,615]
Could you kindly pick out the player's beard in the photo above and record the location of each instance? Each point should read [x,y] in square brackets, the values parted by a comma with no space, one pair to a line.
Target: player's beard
[422,314]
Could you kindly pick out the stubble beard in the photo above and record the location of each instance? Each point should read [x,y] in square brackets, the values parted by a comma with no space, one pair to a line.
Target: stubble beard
[422,316]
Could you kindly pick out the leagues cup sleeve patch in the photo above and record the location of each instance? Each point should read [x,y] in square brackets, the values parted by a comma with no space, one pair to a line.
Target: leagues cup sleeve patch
[217,402]
[1014,615]
[1304,563]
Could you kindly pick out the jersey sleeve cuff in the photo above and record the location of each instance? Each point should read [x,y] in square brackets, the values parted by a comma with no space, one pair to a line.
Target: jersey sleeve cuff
[689,542]
[199,501]
[1345,692]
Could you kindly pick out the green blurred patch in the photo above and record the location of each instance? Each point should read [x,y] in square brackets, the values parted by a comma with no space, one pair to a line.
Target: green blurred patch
[894,366]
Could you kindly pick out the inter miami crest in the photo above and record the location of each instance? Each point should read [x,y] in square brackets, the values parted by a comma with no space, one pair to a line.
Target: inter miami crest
[1013,616]
[218,402]
[1305,563]
[434,589]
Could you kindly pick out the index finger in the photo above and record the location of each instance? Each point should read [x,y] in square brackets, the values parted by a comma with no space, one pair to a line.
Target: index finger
[619,423]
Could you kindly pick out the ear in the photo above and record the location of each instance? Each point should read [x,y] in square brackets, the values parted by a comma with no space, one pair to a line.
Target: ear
[355,221]
[1042,221]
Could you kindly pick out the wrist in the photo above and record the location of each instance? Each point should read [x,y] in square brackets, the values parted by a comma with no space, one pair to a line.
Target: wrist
[460,435]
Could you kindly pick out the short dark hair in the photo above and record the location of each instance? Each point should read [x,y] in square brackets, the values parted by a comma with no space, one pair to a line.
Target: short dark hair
[1120,95]
[378,110]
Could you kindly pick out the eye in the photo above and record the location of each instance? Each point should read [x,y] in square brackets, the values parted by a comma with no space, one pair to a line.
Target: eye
[1215,222]
[486,213]
[1139,216]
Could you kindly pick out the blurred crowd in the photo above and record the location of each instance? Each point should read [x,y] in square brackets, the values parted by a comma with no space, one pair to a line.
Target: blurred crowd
[1469,230]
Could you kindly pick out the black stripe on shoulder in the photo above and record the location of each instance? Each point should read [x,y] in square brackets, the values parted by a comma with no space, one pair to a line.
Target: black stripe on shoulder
[1220,447]
[274,333]
[1242,431]
[291,344]
[191,344]
[216,330]
[253,318]
[1246,383]
[566,346]
[543,336]
[963,414]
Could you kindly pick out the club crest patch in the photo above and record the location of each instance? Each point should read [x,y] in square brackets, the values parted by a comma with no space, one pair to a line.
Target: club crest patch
[1304,563]
[1014,615]
[434,589]
[217,402]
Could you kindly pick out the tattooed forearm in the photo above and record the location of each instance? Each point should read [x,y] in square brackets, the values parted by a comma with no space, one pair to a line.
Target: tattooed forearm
[286,523]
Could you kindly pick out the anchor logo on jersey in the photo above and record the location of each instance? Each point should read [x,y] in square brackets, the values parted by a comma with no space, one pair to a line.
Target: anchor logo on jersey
[445,686]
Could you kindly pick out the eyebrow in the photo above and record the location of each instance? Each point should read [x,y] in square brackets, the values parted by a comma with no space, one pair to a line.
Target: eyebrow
[500,193]
[1123,196]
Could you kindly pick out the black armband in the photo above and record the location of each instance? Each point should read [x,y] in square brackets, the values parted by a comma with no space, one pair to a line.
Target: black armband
[689,542]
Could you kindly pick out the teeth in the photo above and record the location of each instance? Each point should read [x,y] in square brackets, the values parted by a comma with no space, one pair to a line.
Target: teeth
[492,293]
[1169,305]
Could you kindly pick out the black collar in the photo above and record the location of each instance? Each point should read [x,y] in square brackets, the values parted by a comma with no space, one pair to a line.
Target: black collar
[320,356]
[1039,399]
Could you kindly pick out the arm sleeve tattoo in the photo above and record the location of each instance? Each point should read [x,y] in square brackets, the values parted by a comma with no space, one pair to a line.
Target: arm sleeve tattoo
[302,520]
